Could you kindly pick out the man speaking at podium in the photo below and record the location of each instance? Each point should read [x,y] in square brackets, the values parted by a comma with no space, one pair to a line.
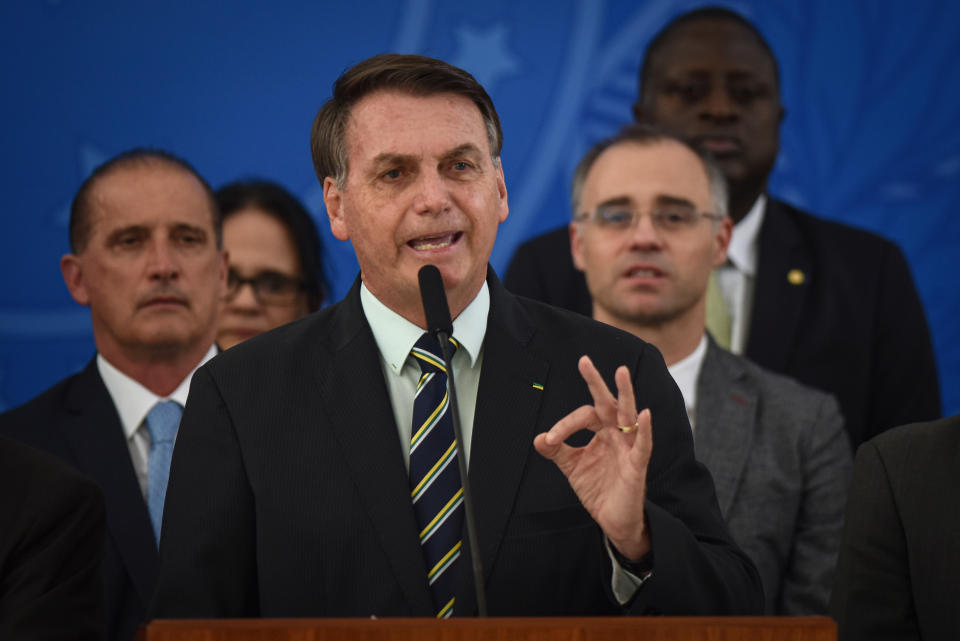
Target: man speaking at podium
[314,471]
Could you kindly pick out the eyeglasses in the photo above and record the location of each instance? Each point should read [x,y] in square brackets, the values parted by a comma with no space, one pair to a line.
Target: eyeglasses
[667,218]
[269,287]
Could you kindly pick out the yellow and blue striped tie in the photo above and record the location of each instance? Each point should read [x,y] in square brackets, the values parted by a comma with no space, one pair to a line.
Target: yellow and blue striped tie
[435,486]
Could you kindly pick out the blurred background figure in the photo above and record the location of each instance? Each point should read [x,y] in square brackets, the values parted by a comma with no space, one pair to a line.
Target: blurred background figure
[275,272]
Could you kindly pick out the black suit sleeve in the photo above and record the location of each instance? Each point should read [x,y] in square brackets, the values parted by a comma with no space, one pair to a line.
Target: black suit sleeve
[51,546]
[207,547]
[905,388]
[872,594]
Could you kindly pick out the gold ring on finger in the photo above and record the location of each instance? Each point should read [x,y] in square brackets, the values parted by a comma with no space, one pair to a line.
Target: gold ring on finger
[629,429]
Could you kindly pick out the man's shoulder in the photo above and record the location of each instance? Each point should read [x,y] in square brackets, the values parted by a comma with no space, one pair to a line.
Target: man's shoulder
[775,390]
[558,324]
[916,444]
[548,242]
[326,329]
[52,401]
[833,235]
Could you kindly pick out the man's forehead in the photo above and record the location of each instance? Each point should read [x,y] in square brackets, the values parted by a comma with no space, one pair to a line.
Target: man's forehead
[381,121]
[651,169]
[149,192]
[710,45]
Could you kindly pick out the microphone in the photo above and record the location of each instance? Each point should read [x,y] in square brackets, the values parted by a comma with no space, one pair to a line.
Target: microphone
[437,314]
[434,299]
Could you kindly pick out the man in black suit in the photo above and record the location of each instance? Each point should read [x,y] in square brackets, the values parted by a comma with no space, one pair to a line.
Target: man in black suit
[293,490]
[146,260]
[832,306]
[900,555]
[51,544]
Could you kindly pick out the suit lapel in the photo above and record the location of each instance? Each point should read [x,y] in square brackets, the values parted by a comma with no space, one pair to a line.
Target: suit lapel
[92,428]
[726,414]
[504,426]
[784,273]
[354,397]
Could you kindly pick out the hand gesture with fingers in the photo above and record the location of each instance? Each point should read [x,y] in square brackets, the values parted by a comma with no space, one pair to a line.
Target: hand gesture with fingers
[609,474]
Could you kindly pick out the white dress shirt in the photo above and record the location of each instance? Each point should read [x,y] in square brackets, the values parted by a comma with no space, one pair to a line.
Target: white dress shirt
[738,276]
[685,373]
[396,336]
[133,401]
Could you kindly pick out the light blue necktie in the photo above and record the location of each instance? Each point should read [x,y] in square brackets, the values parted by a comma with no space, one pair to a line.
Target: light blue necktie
[162,422]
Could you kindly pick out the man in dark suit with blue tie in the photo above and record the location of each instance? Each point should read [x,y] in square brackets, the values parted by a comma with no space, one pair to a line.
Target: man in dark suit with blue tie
[833,306]
[146,259]
[295,489]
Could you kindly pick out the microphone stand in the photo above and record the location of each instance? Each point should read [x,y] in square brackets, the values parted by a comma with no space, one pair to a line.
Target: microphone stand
[478,586]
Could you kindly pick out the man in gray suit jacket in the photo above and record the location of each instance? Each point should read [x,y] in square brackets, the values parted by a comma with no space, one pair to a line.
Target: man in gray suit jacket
[650,225]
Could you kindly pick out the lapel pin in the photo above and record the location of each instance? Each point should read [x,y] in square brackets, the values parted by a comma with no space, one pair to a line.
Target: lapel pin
[796,277]
[538,386]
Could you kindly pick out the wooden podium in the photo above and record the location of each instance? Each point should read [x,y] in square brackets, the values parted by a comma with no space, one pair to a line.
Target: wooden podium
[496,629]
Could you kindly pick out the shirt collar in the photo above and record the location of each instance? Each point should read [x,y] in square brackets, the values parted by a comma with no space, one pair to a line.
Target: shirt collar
[132,400]
[686,372]
[396,336]
[746,238]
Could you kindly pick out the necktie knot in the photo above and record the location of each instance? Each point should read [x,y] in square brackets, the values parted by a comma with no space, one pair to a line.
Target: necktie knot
[428,354]
[163,420]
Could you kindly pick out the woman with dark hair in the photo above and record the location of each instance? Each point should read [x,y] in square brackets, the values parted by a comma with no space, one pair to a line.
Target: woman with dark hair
[275,272]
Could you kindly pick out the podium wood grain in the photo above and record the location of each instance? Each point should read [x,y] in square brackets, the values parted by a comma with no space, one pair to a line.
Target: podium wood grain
[497,629]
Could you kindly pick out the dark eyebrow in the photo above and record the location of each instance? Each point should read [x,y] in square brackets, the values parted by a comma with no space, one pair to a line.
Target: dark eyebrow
[666,199]
[392,159]
[465,149]
[616,201]
[190,228]
[116,233]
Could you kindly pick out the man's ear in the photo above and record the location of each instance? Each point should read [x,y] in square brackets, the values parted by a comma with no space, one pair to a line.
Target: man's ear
[333,200]
[224,268]
[504,207]
[722,239]
[72,269]
[576,246]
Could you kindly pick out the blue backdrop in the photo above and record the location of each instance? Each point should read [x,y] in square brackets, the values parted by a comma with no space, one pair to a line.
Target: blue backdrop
[872,91]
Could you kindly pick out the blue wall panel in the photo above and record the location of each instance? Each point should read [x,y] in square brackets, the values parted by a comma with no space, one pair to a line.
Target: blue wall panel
[872,92]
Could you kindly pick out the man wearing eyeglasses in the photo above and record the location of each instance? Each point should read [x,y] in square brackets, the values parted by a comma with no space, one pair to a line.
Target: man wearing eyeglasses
[146,259]
[830,305]
[651,223]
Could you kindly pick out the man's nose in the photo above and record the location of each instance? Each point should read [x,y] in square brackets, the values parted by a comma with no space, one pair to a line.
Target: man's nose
[433,196]
[718,105]
[644,233]
[162,260]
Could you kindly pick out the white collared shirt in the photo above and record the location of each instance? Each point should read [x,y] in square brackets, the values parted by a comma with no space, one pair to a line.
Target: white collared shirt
[396,336]
[133,401]
[738,276]
[685,373]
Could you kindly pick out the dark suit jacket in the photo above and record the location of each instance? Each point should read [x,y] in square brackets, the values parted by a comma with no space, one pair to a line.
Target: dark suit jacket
[855,327]
[781,462]
[51,544]
[899,560]
[77,421]
[288,494]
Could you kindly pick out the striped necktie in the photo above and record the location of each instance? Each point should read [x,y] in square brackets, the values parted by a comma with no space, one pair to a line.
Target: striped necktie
[436,490]
[162,422]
